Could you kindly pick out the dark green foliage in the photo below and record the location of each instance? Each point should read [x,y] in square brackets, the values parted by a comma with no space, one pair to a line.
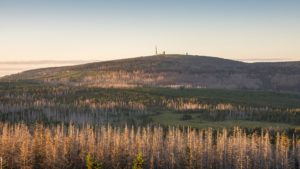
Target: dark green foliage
[138,161]
[92,163]
[186,117]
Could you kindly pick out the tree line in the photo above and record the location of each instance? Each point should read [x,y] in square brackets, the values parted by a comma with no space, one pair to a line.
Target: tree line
[132,106]
[59,146]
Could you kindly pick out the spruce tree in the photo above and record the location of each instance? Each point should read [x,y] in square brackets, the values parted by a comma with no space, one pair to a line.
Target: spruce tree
[92,163]
[138,161]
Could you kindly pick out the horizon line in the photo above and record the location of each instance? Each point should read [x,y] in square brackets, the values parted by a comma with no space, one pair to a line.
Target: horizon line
[56,61]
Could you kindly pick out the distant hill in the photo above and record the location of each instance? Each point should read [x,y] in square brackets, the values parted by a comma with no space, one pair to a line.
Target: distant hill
[172,71]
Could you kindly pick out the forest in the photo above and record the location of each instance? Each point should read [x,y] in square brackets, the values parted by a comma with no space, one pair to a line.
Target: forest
[127,147]
[31,102]
[56,126]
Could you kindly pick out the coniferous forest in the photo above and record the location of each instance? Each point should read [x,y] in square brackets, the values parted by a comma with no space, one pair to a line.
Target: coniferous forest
[74,127]
[59,146]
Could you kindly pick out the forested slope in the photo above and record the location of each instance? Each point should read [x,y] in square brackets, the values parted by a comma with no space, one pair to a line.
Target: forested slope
[172,71]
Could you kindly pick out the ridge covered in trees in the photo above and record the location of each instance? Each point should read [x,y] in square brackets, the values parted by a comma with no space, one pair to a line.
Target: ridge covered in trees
[171,71]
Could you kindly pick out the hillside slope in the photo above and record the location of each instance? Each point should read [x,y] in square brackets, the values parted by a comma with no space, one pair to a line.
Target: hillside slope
[174,71]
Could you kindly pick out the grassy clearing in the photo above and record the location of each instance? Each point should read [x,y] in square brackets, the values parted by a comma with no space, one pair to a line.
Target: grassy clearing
[245,97]
[174,119]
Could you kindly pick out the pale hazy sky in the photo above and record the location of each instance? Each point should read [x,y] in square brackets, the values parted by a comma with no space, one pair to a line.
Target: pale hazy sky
[111,29]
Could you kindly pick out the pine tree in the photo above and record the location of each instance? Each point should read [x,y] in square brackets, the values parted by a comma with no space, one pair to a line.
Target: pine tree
[92,163]
[138,161]
[188,161]
[39,152]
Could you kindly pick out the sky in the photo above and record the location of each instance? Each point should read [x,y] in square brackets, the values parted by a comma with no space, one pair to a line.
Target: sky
[113,29]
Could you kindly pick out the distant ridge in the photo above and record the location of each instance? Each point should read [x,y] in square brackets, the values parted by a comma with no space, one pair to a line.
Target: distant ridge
[172,71]
[267,60]
[12,67]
